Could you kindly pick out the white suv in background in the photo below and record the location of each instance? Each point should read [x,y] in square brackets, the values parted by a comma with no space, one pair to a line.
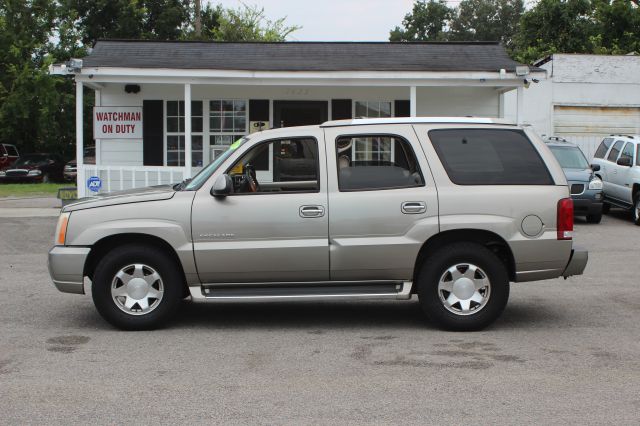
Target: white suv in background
[619,163]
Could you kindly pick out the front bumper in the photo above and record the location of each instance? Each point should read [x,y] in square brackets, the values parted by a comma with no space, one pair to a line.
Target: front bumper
[587,203]
[577,262]
[66,267]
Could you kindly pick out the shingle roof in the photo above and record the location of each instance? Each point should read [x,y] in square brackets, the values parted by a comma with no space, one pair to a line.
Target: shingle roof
[302,56]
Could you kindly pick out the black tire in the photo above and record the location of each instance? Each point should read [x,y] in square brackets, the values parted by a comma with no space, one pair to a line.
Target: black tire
[636,208]
[594,218]
[606,207]
[118,258]
[435,267]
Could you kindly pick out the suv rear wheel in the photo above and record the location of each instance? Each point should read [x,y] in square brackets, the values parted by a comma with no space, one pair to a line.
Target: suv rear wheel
[463,287]
[136,287]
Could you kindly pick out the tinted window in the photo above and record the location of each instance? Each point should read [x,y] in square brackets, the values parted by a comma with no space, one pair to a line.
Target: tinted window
[613,154]
[604,146]
[284,165]
[569,157]
[367,162]
[627,152]
[11,150]
[489,157]
[2,150]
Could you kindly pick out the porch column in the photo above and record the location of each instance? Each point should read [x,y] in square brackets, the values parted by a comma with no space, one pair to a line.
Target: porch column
[187,130]
[413,97]
[520,104]
[80,180]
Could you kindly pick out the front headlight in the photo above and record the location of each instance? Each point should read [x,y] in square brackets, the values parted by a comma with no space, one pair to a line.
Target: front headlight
[34,173]
[61,229]
[595,183]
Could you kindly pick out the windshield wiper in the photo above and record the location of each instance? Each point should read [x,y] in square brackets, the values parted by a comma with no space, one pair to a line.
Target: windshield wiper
[182,185]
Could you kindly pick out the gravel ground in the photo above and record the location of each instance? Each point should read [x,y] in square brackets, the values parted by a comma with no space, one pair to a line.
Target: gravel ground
[563,352]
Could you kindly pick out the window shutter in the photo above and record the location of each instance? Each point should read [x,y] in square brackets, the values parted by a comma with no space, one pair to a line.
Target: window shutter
[403,108]
[341,109]
[152,137]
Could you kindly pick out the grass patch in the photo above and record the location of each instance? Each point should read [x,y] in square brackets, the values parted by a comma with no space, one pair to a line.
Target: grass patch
[31,189]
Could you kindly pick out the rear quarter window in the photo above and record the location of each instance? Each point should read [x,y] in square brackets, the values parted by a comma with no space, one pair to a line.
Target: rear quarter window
[489,157]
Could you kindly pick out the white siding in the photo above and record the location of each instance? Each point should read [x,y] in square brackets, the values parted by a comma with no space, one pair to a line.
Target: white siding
[586,125]
[458,101]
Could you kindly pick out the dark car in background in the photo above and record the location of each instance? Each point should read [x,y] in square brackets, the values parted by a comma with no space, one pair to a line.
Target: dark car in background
[585,186]
[8,155]
[71,168]
[34,168]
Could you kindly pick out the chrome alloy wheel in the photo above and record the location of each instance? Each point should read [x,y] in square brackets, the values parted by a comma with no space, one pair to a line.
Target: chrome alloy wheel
[636,211]
[464,289]
[137,289]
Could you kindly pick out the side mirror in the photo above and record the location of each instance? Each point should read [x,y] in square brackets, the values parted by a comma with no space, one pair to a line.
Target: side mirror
[222,186]
[595,167]
[624,161]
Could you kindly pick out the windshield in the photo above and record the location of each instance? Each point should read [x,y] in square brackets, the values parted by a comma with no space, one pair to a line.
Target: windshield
[570,157]
[31,160]
[206,173]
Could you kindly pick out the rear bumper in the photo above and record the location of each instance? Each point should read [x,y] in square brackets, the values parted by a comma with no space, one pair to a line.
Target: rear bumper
[577,262]
[66,267]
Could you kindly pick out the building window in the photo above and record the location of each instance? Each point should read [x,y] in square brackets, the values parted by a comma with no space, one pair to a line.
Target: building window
[375,109]
[175,133]
[227,123]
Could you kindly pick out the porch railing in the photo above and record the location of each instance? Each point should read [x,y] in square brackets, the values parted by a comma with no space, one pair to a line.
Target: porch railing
[120,178]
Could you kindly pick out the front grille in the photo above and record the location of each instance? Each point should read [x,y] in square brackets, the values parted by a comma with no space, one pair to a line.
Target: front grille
[577,188]
[14,173]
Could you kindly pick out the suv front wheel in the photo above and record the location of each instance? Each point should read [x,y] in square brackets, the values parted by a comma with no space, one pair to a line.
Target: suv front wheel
[463,287]
[136,287]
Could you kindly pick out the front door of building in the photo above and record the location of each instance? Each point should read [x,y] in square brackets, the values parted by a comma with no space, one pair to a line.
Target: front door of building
[299,113]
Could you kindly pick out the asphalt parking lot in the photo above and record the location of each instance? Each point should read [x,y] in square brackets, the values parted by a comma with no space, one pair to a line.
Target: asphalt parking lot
[563,352]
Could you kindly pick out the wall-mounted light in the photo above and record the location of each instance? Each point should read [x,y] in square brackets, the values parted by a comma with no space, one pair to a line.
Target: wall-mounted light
[132,88]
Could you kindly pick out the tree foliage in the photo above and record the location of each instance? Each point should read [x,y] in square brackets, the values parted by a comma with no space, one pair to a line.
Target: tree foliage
[248,23]
[549,26]
[37,111]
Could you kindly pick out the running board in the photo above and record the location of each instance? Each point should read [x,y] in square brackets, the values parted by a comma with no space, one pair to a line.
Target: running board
[303,291]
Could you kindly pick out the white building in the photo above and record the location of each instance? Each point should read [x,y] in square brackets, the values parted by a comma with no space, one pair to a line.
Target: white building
[584,98]
[165,109]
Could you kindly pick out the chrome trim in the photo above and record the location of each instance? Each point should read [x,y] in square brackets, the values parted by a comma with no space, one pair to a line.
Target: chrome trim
[584,187]
[403,292]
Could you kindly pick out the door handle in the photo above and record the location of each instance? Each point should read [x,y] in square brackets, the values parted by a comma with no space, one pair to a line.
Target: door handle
[311,211]
[413,207]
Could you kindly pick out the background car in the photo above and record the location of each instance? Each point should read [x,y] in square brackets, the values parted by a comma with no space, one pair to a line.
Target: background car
[619,162]
[71,168]
[34,168]
[8,155]
[585,186]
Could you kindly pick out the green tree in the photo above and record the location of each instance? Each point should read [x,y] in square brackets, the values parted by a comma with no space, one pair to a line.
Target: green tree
[249,23]
[427,21]
[487,20]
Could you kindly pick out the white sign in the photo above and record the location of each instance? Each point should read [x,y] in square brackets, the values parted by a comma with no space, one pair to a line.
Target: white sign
[117,122]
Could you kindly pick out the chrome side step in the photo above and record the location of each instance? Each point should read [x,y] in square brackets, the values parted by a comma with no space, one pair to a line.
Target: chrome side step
[303,291]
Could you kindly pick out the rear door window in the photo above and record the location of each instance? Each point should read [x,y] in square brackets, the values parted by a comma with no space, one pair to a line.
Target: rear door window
[627,152]
[370,162]
[2,150]
[489,157]
[603,148]
[613,154]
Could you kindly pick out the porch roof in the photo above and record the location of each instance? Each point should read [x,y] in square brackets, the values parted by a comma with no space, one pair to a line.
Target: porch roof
[302,56]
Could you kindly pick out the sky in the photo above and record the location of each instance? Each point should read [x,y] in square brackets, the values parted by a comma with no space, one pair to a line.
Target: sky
[334,20]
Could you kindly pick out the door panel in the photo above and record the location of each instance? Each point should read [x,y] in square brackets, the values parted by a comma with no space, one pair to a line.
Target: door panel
[370,235]
[279,234]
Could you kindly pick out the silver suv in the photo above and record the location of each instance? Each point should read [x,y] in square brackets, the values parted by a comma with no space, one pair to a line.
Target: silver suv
[450,209]
[619,162]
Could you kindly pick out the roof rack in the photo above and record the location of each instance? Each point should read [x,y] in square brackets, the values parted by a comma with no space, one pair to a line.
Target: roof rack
[624,136]
[416,120]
